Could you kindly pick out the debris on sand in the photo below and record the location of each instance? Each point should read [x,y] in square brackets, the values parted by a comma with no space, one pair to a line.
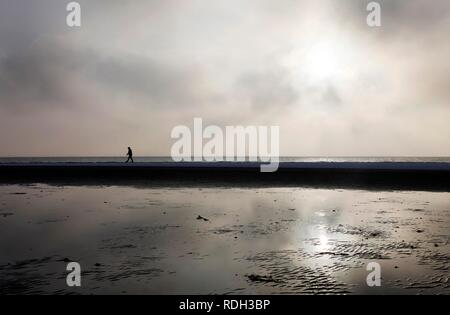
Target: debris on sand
[224,231]
[202,218]
[375,234]
[416,210]
[420,230]
[258,278]
[98,265]
[6,214]
[126,246]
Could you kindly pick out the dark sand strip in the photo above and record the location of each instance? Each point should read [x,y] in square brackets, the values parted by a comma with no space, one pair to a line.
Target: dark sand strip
[383,175]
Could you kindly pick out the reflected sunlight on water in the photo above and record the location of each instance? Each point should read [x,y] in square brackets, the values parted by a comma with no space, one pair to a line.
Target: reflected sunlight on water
[209,240]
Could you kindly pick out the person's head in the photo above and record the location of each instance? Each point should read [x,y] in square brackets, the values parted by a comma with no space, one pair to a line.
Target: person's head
[129,148]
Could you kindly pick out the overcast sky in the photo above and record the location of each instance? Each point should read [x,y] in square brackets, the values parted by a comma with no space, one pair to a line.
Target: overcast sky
[135,69]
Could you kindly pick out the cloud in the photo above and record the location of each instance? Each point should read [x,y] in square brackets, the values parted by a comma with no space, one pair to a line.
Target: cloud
[153,82]
[55,73]
[270,88]
[138,68]
[40,75]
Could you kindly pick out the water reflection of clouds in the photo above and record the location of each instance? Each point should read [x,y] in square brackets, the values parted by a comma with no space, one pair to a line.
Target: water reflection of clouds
[123,227]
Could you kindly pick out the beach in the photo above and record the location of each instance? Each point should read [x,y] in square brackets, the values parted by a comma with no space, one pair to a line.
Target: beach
[188,150]
[221,237]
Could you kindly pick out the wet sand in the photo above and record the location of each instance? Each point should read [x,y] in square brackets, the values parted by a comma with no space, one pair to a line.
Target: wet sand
[429,176]
[222,240]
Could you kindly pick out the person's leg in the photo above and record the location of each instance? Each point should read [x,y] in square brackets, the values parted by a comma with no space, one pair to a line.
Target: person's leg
[127,160]
[132,161]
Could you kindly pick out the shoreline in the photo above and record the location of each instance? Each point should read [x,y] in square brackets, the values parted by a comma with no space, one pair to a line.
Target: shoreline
[434,176]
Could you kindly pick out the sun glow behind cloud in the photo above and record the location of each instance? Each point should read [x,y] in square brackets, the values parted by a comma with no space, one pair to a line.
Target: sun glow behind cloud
[330,57]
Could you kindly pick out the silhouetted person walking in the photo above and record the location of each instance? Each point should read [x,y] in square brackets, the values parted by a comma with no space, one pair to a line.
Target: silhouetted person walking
[130,155]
